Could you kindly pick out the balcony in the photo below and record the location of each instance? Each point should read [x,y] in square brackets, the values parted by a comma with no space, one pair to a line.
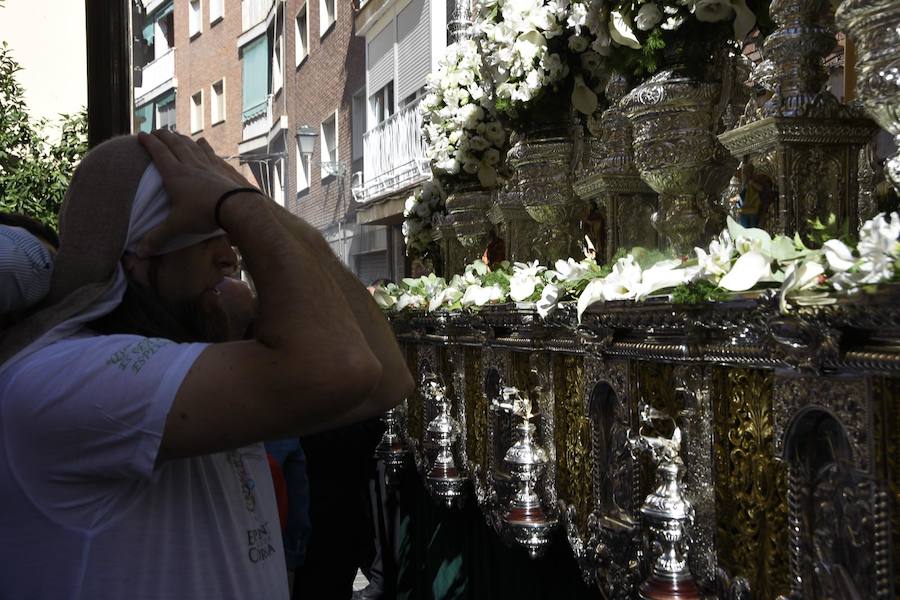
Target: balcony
[393,156]
[254,12]
[257,121]
[156,77]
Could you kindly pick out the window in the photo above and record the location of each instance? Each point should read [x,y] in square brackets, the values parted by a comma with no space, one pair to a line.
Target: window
[326,15]
[217,104]
[197,112]
[195,25]
[216,11]
[329,137]
[255,68]
[302,171]
[165,113]
[381,103]
[278,182]
[301,35]
[277,73]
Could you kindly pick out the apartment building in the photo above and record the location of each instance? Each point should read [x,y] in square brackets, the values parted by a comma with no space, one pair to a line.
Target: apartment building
[404,39]
[155,84]
[281,88]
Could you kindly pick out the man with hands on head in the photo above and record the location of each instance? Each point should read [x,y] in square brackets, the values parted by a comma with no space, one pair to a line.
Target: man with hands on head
[131,430]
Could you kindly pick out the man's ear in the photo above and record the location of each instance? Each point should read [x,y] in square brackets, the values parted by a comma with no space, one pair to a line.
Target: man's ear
[136,268]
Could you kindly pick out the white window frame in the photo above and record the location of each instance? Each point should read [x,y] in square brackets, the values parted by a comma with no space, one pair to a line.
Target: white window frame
[301,37]
[329,162]
[216,11]
[388,103]
[277,62]
[326,23]
[195,18]
[215,118]
[278,181]
[197,113]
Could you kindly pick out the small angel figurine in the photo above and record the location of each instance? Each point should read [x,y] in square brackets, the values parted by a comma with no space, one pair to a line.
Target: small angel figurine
[663,449]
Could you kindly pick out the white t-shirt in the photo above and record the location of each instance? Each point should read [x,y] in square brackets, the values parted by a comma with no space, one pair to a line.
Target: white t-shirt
[84,514]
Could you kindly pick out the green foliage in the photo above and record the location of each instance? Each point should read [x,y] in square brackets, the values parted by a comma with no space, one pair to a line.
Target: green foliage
[820,232]
[698,292]
[651,48]
[499,276]
[34,170]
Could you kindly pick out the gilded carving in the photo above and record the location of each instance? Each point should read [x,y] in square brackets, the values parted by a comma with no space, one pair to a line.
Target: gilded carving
[475,409]
[751,490]
[572,438]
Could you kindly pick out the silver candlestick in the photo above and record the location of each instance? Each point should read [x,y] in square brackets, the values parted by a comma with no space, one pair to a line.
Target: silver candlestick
[391,448]
[444,480]
[526,519]
[668,513]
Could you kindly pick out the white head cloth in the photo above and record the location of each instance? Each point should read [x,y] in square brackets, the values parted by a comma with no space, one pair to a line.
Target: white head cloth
[150,208]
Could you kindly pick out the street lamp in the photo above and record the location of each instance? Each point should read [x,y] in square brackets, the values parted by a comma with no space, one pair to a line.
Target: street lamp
[306,139]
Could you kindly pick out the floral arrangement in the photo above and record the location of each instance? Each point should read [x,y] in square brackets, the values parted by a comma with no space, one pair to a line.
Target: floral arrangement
[532,46]
[642,29]
[461,132]
[418,213]
[738,260]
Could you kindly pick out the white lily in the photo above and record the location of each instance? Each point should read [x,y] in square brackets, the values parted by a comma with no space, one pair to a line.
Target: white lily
[621,32]
[747,239]
[591,294]
[624,282]
[878,248]
[839,256]
[409,300]
[525,278]
[583,98]
[662,275]
[383,298]
[548,301]
[799,278]
[446,296]
[477,295]
[748,270]
[717,262]
[569,270]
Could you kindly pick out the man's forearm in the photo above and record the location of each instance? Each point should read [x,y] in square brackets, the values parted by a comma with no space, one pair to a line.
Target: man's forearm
[396,381]
[304,308]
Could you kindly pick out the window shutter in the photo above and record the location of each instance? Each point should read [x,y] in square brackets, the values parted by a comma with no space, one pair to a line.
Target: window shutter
[381,59]
[256,75]
[413,47]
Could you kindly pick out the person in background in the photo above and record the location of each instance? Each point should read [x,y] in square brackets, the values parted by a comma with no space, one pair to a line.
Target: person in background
[27,247]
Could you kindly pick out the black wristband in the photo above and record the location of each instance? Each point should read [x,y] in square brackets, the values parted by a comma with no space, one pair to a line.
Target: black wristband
[225,197]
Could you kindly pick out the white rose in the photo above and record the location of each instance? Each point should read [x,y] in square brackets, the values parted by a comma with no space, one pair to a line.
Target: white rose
[478,143]
[578,43]
[712,11]
[491,157]
[648,17]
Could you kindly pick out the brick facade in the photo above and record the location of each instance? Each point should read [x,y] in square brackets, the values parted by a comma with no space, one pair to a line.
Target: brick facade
[200,62]
[325,81]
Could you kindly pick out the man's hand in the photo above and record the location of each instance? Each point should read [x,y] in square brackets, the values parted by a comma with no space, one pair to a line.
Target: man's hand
[194,178]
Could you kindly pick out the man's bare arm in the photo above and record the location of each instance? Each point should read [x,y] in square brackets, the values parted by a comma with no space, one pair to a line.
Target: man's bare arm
[396,382]
[309,363]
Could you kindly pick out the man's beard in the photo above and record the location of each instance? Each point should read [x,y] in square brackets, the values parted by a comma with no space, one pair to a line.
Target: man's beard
[143,312]
[203,317]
